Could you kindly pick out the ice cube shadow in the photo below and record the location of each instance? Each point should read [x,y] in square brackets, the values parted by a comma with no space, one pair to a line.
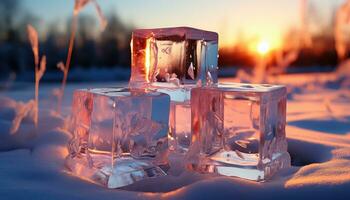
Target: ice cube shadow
[332,125]
[305,153]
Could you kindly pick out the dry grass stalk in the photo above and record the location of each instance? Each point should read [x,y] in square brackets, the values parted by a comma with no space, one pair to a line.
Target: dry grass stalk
[79,5]
[39,70]
[22,110]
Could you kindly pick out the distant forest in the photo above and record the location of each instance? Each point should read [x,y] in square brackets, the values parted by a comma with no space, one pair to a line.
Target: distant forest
[111,47]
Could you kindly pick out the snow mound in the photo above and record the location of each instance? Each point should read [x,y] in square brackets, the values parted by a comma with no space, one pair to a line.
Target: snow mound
[318,131]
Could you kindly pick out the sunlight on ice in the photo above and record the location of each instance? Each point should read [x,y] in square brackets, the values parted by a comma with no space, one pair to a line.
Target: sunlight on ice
[239,130]
[120,135]
[173,61]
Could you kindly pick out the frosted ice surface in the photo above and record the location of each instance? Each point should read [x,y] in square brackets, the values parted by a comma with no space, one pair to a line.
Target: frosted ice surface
[119,133]
[173,61]
[239,130]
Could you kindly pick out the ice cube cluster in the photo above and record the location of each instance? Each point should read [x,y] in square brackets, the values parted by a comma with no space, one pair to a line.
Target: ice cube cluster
[173,61]
[175,105]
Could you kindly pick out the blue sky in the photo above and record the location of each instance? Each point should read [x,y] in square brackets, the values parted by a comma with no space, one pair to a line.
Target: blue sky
[267,19]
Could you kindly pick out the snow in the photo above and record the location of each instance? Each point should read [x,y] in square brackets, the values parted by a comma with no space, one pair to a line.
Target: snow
[318,131]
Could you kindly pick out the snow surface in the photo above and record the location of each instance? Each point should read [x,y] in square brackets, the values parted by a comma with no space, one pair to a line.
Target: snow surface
[318,131]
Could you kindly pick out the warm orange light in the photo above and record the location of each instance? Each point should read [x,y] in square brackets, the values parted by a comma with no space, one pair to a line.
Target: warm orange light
[263,47]
[148,58]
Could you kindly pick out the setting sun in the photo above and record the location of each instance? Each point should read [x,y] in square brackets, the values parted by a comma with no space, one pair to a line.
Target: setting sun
[263,47]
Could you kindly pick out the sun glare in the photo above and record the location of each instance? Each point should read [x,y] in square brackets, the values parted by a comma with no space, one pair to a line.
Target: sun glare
[263,47]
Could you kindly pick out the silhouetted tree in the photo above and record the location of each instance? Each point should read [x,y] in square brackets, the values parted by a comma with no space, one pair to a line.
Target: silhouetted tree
[85,53]
[115,43]
[8,9]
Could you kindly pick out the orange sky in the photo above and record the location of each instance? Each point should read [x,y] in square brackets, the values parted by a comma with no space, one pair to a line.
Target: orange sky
[262,20]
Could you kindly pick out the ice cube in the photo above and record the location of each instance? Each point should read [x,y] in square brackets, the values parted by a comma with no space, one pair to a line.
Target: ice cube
[180,126]
[239,130]
[180,118]
[173,61]
[174,56]
[119,135]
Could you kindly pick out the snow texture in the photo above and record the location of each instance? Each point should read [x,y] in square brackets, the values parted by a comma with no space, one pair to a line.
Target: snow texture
[318,131]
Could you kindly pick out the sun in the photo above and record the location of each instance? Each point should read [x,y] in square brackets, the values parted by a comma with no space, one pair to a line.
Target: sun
[263,47]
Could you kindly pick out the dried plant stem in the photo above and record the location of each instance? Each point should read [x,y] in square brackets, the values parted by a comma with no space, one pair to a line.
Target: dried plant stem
[68,61]
[22,110]
[79,4]
[36,113]
[34,41]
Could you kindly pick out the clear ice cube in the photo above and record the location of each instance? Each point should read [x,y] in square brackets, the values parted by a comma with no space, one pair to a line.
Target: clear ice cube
[175,56]
[173,61]
[239,130]
[120,135]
